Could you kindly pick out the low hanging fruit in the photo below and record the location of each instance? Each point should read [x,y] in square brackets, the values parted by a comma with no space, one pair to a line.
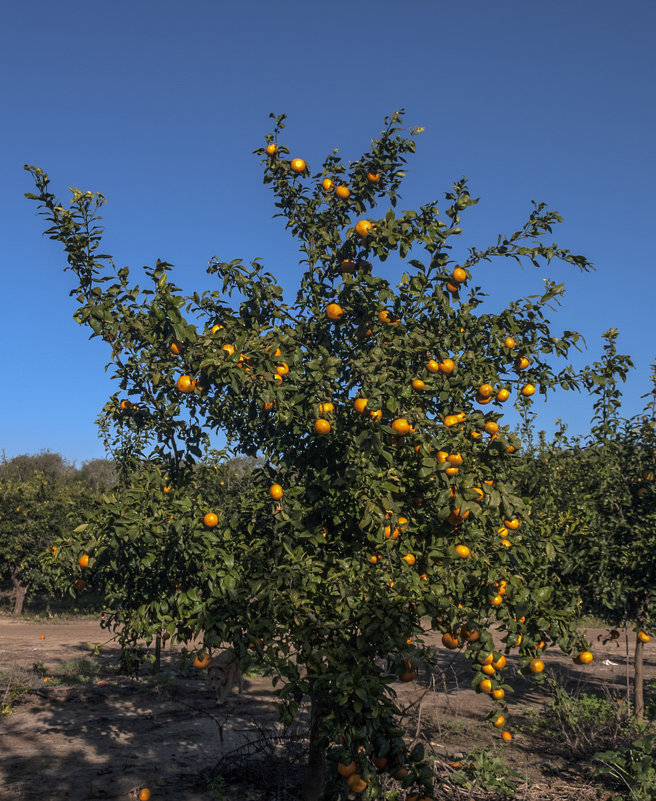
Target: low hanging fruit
[276,492]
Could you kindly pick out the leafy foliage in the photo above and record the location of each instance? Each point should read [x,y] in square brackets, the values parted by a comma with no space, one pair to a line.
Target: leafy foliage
[342,546]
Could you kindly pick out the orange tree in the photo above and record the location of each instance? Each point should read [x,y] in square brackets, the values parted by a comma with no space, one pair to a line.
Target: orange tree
[35,509]
[383,505]
[597,493]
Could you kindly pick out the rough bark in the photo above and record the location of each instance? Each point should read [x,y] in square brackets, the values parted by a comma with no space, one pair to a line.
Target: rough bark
[638,681]
[315,776]
[20,591]
[158,654]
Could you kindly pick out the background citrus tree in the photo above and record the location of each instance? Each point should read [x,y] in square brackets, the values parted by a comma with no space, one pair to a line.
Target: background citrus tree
[382,505]
[39,497]
[597,492]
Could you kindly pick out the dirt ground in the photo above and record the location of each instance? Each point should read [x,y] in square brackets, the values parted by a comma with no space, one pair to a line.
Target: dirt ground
[81,731]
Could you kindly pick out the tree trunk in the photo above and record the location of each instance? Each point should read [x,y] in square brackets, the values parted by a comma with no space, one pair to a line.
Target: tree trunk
[158,654]
[315,776]
[638,681]
[20,591]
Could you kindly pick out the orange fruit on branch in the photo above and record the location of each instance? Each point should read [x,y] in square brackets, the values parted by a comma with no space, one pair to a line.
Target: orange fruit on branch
[401,426]
[509,342]
[373,177]
[84,560]
[276,492]
[327,185]
[462,551]
[356,783]
[363,228]
[359,404]
[643,637]
[528,390]
[321,426]
[343,192]
[298,165]
[346,770]
[210,520]
[271,149]
[185,384]
[521,363]
[536,666]
[334,311]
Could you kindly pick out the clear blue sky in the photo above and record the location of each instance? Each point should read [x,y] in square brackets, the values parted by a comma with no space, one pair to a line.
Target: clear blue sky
[159,105]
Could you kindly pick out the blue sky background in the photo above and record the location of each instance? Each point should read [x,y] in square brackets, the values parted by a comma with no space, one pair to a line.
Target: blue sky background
[159,105]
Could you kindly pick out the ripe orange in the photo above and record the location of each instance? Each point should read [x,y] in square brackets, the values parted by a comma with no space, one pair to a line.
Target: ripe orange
[500,662]
[512,524]
[643,637]
[334,311]
[386,316]
[176,348]
[498,694]
[408,675]
[327,185]
[376,415]
[470,633]
[455,518]
[452,287]
[210,520]
[528,390]
[509,342]
[84,560]
[202,660]
[463,551]
[185,383]
[346,770]
[363,227]
[432,366]
[356,783]
[343,191]
[125,405]
[276,492]
[282,368]
[486,390]
[459,275]
[268,405]
[401,426]
[359,404]
[298,165]
[380,762]
[418,384]
[485,686]
[507,736]
[499,721]
[496,600]
[144,793]
[447,366]
[271,149]
[321,426]
[452,471]
[521,363]
[450,641]
[409,558]
[491,427]
[503,395]
[489,670]
[373,177]
[166,489]
[326,407]
[455,459]
[536,666]
[215,328]
[584,658]
[347,266]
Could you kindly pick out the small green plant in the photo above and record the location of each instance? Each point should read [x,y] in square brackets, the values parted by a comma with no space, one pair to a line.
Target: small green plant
[15,688]
[485,769]
[633,768]
[583,722]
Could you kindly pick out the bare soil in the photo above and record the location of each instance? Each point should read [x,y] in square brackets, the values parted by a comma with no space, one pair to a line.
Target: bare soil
[78,730]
